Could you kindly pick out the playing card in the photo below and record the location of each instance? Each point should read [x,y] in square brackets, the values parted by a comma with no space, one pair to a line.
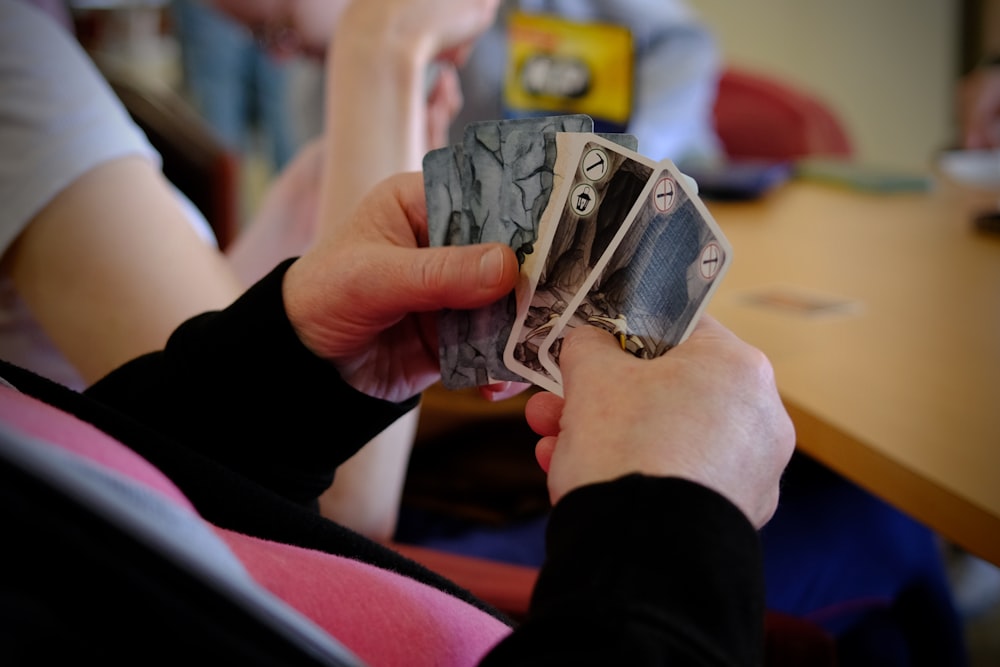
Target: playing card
[466,205]
[471,341]
[599,184]
[444,197]
[656,276]
[527,181]
[444,175]
[487,146]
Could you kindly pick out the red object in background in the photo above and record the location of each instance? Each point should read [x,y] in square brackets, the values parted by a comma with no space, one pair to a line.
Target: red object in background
[760,118]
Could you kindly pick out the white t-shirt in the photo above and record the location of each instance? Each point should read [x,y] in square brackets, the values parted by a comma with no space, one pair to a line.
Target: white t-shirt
[59,119]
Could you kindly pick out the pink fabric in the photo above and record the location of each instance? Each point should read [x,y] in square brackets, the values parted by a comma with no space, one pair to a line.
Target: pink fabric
[35,418]
[385,618]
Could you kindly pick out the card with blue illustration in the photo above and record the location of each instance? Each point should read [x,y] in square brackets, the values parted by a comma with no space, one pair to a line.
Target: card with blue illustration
[561,197]
[654,278]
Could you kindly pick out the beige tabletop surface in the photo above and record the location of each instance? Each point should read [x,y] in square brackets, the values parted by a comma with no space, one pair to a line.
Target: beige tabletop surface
[881,315]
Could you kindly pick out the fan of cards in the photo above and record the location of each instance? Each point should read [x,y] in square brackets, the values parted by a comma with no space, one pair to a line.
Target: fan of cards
[605,237]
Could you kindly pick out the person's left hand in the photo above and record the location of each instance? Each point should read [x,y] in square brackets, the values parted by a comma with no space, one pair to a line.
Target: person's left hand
[366,295]
[675,420]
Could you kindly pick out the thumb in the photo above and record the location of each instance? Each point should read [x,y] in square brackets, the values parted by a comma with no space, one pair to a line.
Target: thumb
[588,347]
[456,276]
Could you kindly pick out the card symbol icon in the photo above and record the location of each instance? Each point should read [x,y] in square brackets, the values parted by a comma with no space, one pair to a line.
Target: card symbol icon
[596,164]
[664,194]
[711,260]
[584,199]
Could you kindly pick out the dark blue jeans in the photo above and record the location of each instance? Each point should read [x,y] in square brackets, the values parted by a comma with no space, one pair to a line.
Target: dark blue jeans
[833,553]
[236,85]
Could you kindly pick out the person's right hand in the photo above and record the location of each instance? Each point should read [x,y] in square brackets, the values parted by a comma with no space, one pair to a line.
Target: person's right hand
[707,411]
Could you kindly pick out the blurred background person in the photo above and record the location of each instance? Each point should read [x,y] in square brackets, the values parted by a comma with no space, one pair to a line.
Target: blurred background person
[84,290]
[652,67]
[237,86]
[647,67]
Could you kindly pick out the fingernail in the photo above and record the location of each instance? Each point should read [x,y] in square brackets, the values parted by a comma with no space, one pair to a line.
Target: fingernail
[491,268]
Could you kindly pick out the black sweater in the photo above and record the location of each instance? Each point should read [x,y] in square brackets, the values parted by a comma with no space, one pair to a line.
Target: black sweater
[250,426]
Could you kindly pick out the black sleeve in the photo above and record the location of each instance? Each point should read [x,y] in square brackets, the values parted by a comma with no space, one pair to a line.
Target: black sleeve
[644,571]
[239,387]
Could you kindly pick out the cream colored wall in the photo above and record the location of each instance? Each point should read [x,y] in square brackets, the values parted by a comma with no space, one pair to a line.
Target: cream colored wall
[887,67]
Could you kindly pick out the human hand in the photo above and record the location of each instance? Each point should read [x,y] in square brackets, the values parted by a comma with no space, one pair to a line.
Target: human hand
[707,411]
[419,30]
[366,295]
[979,108]
[380,113]
[288,27]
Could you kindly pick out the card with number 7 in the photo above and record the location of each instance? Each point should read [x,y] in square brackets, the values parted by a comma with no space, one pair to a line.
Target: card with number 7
[596,194]
[657,275]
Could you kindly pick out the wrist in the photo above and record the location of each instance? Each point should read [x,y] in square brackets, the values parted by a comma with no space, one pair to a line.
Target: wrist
[300,304]
[366,30]
[379,65]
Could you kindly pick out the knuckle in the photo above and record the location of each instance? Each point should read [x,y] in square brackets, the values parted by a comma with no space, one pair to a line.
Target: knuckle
[430,274]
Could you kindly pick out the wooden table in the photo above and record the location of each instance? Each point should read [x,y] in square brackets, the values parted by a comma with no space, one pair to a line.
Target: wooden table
[899,390]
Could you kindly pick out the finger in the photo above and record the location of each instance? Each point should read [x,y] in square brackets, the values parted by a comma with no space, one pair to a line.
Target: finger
[427,279]
[588,347]
[543,412]
[593,348]
[501,391]
[382,283]
[543,452]
[407,193]
[491,391]
[452,277]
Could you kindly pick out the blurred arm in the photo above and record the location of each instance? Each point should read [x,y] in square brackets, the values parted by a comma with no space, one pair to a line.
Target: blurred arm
[377,121]
[111,266]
